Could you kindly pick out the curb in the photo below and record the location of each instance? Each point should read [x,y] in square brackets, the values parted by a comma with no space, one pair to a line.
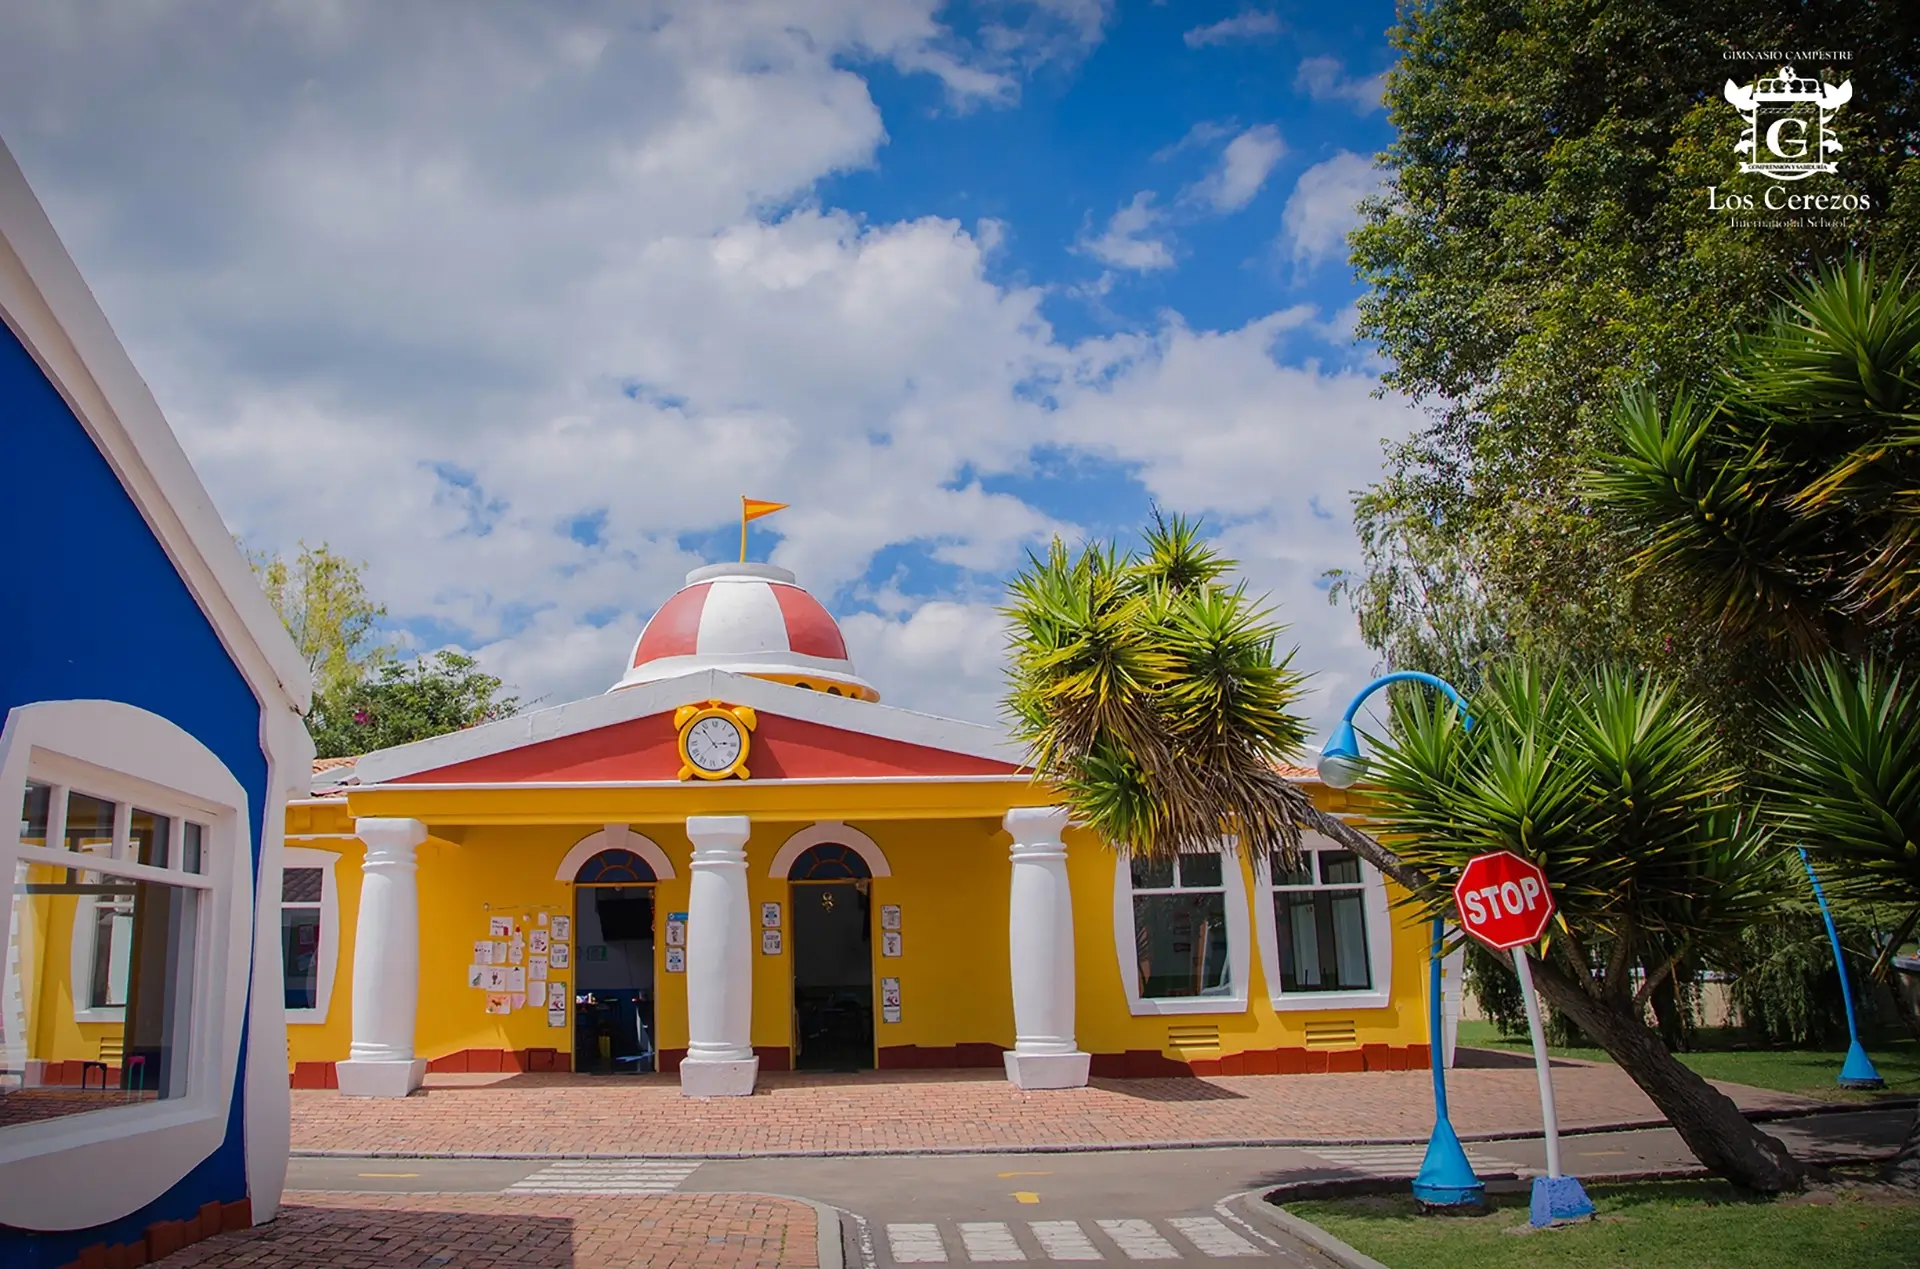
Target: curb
[1103,1147]
[1307,1232]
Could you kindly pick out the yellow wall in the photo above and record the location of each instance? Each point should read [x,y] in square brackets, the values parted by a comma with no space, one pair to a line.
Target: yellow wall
[46,942]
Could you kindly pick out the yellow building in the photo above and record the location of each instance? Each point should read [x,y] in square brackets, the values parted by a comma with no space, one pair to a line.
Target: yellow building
[738,859]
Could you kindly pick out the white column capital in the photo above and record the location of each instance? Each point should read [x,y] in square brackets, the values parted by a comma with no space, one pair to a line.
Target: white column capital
[1037,830]
[389,840]
[718,839]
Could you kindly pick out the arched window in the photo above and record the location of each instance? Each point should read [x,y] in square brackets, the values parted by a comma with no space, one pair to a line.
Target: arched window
[829,861]
[614,868]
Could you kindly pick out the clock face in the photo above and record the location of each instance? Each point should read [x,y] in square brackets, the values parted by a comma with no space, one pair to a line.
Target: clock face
[713,744]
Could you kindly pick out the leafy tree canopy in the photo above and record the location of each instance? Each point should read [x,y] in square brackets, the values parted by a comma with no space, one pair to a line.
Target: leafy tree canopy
[323,602]
[407,701]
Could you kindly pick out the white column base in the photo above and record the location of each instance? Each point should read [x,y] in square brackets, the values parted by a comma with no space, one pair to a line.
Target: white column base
[1048,1070]
[726,1078]
[365,1077]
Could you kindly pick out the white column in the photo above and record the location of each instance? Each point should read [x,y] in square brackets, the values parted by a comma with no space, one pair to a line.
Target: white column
[1453,972]
[720,1060]
[386,964]
[1041,932]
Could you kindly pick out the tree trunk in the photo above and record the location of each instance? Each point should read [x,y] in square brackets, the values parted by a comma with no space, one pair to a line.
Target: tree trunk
[1706,1119]
[1904,1167]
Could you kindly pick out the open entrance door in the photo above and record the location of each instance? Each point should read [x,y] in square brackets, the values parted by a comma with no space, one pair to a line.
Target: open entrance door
[613,940]
[832,932]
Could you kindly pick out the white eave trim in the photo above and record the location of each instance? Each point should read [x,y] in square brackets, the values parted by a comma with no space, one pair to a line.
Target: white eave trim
[47,305]
[843,713]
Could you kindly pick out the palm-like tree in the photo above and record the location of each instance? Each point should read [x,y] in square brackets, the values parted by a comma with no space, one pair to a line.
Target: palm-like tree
[1619,791]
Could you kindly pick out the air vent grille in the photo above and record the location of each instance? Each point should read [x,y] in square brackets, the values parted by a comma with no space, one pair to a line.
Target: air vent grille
[1332,1035]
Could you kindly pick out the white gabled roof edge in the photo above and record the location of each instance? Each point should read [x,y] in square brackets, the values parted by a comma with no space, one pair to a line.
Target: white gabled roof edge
[844,713]
[47,305]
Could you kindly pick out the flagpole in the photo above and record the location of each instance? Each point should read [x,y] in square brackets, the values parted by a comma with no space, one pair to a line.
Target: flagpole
[743,528]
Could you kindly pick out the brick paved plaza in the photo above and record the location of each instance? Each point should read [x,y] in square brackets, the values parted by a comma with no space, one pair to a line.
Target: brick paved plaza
[367,1231]
[910,1111]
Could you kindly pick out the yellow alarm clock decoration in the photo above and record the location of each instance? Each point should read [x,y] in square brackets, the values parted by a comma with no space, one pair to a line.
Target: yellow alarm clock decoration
[714,739]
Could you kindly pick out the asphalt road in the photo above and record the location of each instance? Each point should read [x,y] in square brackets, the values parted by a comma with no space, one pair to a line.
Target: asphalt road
[1174,1206]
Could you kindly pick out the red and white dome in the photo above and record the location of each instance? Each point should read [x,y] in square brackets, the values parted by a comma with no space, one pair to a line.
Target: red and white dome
[745,619]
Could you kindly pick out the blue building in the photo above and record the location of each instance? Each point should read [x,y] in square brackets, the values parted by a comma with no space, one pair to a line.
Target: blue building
[152,705]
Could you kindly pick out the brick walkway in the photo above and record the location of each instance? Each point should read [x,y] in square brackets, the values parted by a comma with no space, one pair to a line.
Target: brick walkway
[387,1231]
[907,1111]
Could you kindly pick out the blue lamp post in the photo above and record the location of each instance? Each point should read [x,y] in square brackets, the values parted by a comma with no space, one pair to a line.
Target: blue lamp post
[1446,1178]
[1858,1070]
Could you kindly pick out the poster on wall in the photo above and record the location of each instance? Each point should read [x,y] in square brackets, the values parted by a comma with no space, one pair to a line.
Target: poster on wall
[676,960]
[496,978]
[556,993]
[890,943]
[500,952]
[499,1002]
[889,916]
[676,929]
[500,927]
[890,1000]
[483,952]
[562,928]
[516,952]
[536,968]
[517,978]
[769,916]
[769,942]
[557,955]
[476,975]
[537,942]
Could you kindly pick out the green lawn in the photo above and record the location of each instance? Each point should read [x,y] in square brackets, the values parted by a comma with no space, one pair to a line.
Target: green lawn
[1663,1225]
[1721,1055]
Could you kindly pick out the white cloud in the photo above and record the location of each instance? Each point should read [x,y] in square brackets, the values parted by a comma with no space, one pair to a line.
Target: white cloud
[951,652]
[1250,25]
[1127,242]
[1243,169]
[1322,208]
[1326,79]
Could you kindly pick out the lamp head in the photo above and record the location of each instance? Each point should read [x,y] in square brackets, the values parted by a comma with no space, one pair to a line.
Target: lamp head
[1341,765]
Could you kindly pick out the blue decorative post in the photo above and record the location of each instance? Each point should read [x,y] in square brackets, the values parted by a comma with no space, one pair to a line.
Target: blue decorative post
[1858,1070]
[1446,1178]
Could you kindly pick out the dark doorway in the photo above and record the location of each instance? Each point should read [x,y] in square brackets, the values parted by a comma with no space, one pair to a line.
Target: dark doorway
[832,961]
[613,937]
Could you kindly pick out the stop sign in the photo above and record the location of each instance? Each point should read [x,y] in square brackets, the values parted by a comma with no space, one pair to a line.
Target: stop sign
[1503,900]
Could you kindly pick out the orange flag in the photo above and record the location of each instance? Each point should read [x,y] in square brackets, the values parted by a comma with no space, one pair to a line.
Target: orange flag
[753,509]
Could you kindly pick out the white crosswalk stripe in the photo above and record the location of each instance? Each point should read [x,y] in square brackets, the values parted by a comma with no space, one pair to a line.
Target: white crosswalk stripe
[1064,1240]
[916,1244]
[990,1241]
[1139,1240]
[607,1176]
[1399,1161]
[1212,1236]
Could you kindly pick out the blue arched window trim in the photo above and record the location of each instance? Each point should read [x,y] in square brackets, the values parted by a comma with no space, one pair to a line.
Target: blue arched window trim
[614,868]
[829,861]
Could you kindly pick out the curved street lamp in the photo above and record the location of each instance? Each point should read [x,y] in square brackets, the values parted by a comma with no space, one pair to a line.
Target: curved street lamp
[1858,1070]
[1446,1178]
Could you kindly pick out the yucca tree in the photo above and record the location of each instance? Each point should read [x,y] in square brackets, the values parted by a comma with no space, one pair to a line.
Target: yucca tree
[1847,786]
[1619,791]
[1149,692]
[1788,500]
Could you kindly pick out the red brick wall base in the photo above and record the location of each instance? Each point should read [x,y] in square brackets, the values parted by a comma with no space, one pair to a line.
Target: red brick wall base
[466,1061]
[1146,1063]
[163,1238]
[914,1057]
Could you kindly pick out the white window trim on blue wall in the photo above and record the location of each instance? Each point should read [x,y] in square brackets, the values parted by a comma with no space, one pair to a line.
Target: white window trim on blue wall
[1239,946]
[84,1170]
[1379,940]
[324,860]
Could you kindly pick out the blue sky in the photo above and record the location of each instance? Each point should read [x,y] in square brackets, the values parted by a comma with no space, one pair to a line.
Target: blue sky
[513,302]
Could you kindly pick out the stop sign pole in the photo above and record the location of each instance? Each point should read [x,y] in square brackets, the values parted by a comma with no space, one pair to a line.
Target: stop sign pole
[1505,903]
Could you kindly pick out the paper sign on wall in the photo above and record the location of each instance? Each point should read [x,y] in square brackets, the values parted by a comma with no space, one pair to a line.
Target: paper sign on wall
[770,916]
[541,919]
[769,942]
[557,1015]
[557,955]
[516,952]
[889,916]
[890,1000]
[499,1003]
[476,975]
[556,993]
[890,943]
[536,968]
[676,929]
[517,978]
[500,927]
[537,942]
[676,960]
[519,1000]
[562,928]
[500,952]
[482,952]
[496,978]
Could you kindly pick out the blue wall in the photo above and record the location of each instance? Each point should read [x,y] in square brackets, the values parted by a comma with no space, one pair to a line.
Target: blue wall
[95,610]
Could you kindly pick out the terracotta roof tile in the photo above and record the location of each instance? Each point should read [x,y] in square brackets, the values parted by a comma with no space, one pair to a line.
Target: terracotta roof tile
[328,764]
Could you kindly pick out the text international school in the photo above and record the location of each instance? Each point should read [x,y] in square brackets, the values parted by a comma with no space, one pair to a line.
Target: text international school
[738,860]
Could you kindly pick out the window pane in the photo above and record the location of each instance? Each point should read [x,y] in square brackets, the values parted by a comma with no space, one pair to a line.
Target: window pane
[1339,868]
[1323,940]
[1152,874]
[1181,941]
[89,824]
[33,814]
[300,952]
[149,837]
[190,847]
[300,885]
[1200,870]
[141,937]
[1285,876]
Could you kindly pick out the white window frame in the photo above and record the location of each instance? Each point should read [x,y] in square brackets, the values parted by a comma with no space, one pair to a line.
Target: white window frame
[1239,944]
[324,860]
[83,1170]
[80,957]
[1379,937]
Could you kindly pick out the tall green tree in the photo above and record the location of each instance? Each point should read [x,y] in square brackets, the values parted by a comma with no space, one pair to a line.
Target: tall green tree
[407,701]
[1544,241]
[323,601]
